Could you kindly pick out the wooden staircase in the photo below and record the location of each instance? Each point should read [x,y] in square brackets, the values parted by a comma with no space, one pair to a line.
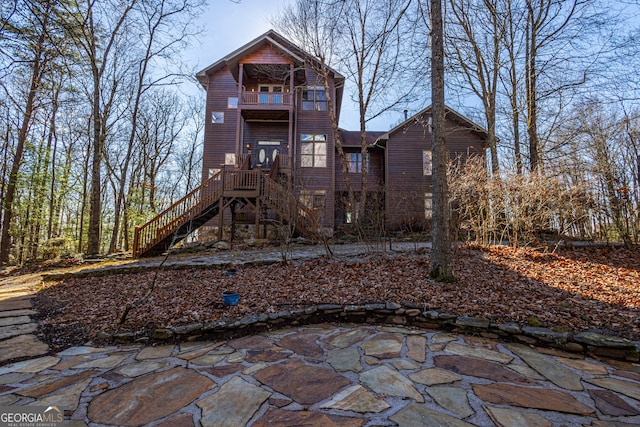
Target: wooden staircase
[204,203]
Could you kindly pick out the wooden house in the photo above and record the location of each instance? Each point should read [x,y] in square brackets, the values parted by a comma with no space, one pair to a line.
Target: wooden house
[269,152]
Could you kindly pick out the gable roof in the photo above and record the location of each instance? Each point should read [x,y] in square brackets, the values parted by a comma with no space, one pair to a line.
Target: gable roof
[272,38]
[450,114]
[352,138]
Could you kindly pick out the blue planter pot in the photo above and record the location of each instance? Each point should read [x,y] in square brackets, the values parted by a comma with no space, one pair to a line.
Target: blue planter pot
[230,297]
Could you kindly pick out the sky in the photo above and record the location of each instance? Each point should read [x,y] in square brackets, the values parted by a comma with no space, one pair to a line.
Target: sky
[229,25]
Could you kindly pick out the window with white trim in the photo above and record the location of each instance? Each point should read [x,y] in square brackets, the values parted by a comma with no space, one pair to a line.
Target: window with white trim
[313,149]
[314,98]
[427,162]
[217,117]
[428,205]
[355,162]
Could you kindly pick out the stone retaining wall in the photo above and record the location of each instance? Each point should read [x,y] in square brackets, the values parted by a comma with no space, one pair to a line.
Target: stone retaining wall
[392,313]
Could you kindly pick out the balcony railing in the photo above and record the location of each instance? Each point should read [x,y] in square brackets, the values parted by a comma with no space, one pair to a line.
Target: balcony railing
[267,98]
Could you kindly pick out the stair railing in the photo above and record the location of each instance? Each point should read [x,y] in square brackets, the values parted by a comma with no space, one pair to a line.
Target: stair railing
[168,221]
[289,207]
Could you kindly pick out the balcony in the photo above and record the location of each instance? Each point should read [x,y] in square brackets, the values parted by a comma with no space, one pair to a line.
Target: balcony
[266,105]
[267,99]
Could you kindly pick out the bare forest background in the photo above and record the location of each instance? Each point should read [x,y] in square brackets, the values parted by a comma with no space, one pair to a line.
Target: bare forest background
[97,133]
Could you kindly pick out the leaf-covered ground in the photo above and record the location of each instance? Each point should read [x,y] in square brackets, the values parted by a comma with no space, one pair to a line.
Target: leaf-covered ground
[571,289]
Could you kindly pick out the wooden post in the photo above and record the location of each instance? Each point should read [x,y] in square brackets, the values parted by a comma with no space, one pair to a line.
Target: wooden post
[233,221]
[136,241]
[221,206]
[220,217]
[256,232]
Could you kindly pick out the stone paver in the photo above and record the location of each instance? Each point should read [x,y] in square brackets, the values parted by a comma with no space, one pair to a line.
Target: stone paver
[548,367]
[505,417]
[345,359]
[417,348]
[525,397]
[328,375]
[282,418]
[303,344]
[14,320]
[418,415]
[358,399]
[303,383]
[22,346]
[148,398]
[383,346]
[15,330]
[628,388]
[233,404]
[609,403]
[453,399]
[384,380]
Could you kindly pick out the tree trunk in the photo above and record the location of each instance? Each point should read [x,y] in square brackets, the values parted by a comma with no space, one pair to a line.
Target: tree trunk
[95,192]
[532,94]
[336,136]
[36,76]
[441,268]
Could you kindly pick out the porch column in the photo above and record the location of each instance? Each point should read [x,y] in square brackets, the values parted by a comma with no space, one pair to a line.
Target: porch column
[291,113]
[239,113]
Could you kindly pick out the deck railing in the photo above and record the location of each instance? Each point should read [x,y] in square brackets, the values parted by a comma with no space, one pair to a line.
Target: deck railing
[244,161]
[241,180]
[267,98]
[285,162]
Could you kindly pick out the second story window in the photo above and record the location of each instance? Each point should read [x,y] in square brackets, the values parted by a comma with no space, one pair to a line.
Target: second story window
[355,162]
[313,151]
[427,164]
[314,98]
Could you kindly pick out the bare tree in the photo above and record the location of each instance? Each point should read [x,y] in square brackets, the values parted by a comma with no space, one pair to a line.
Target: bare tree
[101,27]
[370,40]
[551,26]
[441,267]
[313,24]
[31,39]
[376,54]
[510,76]
[155,19]
[476,37]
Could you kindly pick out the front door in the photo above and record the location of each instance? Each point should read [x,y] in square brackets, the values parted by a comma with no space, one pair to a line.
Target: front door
[266,153]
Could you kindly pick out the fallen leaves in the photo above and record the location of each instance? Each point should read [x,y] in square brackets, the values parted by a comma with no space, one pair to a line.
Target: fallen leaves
[574,289]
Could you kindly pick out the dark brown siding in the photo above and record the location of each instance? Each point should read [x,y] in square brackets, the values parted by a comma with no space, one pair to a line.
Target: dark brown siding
[316,179]
[219,138]
[406,183]
[266,55]
[375,175]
